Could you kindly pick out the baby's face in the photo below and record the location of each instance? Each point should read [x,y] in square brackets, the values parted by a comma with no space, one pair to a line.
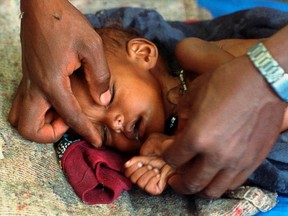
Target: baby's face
[135,110]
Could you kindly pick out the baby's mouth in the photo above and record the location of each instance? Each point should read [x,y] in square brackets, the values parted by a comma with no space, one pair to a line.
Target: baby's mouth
[136,129]
[132,131]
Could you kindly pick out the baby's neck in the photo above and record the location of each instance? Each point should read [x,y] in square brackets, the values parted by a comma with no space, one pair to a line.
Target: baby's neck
[170,86]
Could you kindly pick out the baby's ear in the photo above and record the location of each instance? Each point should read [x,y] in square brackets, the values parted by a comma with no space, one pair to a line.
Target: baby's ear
[143,52]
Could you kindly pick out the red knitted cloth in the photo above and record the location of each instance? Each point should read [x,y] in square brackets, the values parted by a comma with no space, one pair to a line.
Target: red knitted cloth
[96,175]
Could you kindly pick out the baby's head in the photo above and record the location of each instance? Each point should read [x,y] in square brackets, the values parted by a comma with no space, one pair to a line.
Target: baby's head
[136,109]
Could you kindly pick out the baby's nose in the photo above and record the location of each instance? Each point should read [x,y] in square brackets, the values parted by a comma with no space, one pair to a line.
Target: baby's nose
[118,123]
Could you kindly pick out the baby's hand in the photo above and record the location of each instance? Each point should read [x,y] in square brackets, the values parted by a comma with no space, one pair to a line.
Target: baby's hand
[150,173]
[156,144]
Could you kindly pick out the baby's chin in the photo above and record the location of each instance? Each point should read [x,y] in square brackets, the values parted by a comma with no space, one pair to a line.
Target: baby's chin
[131,147]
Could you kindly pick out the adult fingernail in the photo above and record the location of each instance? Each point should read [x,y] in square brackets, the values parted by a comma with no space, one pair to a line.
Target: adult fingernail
[105,97]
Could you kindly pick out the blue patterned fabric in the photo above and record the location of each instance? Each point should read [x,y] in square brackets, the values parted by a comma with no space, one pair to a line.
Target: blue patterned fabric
[254,23]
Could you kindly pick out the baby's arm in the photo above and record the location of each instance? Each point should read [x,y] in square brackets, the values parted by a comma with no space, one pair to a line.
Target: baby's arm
[201,56]
[150,173]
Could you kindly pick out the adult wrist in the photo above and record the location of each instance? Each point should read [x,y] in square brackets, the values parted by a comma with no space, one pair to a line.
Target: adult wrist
[270,69]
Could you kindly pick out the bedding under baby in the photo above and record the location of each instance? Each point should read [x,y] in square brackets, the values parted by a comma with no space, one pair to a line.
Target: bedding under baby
[272,175]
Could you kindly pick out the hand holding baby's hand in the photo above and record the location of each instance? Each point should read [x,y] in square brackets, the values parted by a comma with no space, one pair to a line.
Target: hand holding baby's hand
[150,173]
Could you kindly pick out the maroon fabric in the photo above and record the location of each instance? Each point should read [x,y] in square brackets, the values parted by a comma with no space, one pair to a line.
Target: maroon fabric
[96,175]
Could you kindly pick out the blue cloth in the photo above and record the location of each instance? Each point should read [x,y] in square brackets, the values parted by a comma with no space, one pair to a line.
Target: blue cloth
[281,208]
[223,7]
[273,172]
[254,23]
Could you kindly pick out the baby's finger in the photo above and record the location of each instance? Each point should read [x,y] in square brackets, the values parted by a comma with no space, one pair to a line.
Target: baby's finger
[152,187]
[136,159]
[133,168]
[156,162]
[139,173]
[146,178]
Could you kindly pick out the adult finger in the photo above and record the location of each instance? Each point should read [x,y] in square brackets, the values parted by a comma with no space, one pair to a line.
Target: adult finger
[33,124]
[13,116]
[166,173]
[220,184]
[181,150]
[194,176]
[96,71]
[226,180]
[244,175]
[68,108]
[184,146]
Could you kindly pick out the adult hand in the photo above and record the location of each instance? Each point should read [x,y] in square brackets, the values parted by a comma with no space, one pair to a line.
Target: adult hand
[57,39]
[228,122]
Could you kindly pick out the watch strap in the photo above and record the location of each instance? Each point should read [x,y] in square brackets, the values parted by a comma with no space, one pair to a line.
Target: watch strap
[269,68]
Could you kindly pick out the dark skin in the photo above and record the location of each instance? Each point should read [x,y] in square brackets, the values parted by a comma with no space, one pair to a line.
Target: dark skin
[231,123]
[51,52]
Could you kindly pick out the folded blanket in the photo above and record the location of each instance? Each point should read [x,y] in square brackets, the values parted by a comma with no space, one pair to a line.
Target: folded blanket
[96,175]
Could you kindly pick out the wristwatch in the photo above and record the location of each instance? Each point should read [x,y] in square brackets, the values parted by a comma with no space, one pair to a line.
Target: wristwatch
[269,68]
